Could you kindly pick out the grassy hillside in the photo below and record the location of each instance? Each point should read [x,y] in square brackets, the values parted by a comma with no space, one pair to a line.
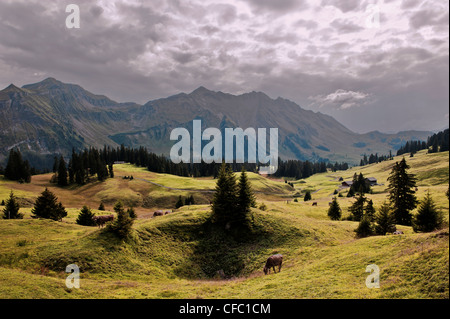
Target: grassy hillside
[178,255]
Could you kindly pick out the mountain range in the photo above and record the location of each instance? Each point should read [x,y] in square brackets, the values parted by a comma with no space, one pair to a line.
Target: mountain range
[51,117]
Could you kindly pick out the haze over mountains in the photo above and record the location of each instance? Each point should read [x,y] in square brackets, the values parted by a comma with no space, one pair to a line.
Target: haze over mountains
[52,117]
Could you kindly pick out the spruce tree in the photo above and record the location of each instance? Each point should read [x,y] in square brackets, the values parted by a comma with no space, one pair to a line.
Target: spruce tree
[245,198]
[365,228]
[224,204]
[85,217]
[11,209]
[351,192]
[307,196]
[428,217]
[384,220]
[179,202]
[17,169]
[401,192]
[62,172]
[46,206]
[357,208]
[111,170]
[101,206]
[121,226]
[335,211]
[369,210]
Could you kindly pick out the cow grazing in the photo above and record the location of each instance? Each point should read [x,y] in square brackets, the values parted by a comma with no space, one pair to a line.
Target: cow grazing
[314,204]
[101,220]
[272,261]
[158,213]
[398,232]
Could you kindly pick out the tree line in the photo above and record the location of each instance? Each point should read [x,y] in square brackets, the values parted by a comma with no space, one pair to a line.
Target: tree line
[438,142]
[85,164]
[304,169]
[374,158]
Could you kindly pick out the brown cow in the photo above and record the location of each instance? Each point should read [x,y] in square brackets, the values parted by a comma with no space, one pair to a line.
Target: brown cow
[314,204]
[101,220]
[272,261]
[158,213]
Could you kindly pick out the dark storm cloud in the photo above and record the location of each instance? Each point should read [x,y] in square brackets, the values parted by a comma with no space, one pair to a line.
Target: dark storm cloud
[321,56]
[429,18]
[345,26]
[343,5]
[278,6]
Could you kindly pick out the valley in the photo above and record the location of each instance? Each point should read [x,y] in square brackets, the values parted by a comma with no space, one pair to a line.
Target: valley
[178,255]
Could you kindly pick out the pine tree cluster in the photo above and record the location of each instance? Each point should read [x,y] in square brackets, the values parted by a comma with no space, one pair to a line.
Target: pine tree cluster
[232,200]
[17,169]
[438,142]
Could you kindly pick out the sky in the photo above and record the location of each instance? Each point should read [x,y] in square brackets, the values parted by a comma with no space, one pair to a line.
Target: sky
[371,64]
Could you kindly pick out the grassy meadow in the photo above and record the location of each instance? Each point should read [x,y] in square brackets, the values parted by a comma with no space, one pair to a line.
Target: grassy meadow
[179,254]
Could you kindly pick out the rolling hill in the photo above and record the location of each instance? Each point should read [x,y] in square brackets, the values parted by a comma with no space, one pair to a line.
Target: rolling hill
[52,117]
[177,255]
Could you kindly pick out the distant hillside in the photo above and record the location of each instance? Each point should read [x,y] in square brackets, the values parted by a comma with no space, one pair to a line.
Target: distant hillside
[53,117]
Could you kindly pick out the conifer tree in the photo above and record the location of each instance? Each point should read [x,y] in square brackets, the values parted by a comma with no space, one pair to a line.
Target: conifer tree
[307,196]
[17,169]
[428,217]
[46,206]
[335,211]
[384,220]
[245,198]
[401,192]
[365,228]
[62,172]
[101,206]
[179,202]
[111,170]
[369,210]
[357,208]
[122,224]
[224,203]
[351,192]
[85,217]
[11,209]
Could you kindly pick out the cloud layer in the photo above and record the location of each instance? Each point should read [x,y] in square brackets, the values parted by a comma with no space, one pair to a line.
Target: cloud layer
[322,55]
